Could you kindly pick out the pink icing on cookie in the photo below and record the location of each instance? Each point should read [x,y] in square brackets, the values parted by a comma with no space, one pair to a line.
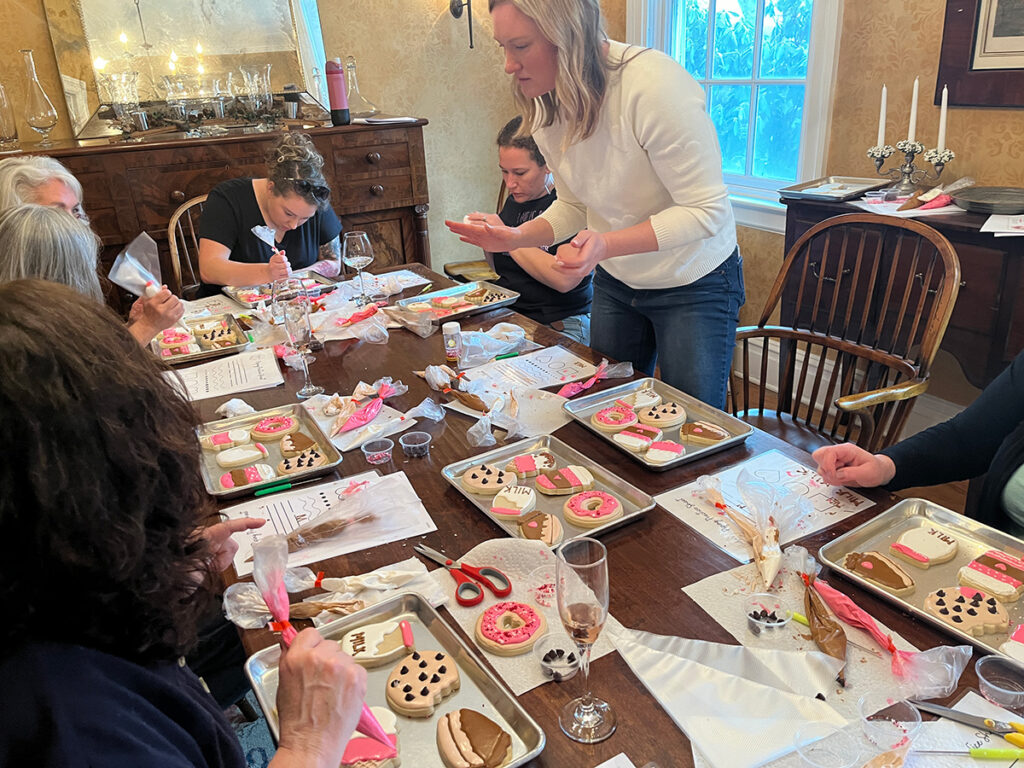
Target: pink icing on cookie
[580,507]
[615,416]
[567,473]
[1004,568]
[525,463]
[913,554]
[361,749]
[221,438]
[252,474]
[669,446]
[407,639]
[1018,634]
[171,336]
[275,424]
[866,565]
[506,511]
[489,626]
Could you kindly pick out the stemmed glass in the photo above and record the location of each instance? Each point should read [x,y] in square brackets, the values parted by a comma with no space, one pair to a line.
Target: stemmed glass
[296,323]
[358,253]
[581,589]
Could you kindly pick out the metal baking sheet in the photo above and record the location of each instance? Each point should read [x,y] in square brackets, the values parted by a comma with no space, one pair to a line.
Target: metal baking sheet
[1006,201]
[307,424]
[417,737]
[634,501]
[203,354]
[510,297]
[973,539]
[582,408]
[323,285]
[843,188]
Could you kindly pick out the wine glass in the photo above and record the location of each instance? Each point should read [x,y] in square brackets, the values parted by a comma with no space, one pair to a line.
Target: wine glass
[581,589]
[296,323]
[358,253]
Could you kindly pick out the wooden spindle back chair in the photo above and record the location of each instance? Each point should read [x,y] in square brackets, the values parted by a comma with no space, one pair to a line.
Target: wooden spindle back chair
[183,241]
[863,302]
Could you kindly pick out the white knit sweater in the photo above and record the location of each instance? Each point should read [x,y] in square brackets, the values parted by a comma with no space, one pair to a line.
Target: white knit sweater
[653,155]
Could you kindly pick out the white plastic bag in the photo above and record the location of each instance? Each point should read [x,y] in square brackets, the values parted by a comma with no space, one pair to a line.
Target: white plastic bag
[137,266]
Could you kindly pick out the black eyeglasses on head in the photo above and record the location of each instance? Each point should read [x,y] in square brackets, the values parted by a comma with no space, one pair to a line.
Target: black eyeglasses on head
[318,192]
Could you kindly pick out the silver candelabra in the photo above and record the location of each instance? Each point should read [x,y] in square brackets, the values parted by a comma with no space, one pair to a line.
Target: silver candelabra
[907,176]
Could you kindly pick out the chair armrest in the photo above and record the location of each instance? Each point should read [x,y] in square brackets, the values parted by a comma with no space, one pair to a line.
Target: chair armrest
[904,390]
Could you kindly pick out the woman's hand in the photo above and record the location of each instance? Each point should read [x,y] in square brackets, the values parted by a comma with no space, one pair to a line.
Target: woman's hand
[161,310]
[319,702]
[222,546]
[279,268]
[580,255]
[486,231]
[848,464]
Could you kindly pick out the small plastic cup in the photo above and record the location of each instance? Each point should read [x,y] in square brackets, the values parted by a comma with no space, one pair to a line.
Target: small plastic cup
[1001,681]
[378,450]
[821,745]
[558,656]
[415,445]
[540,585]
[765,613]
[889,723]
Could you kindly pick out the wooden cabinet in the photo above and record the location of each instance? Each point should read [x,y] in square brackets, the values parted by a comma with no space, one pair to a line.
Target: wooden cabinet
[986,330]
[377,175]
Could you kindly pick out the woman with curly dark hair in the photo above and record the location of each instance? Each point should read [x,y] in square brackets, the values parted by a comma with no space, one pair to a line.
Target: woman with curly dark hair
[293,200]
[106,555]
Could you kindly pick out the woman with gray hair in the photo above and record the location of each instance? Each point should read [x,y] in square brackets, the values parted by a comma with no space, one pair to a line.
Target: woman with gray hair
[45,181]
[48,243]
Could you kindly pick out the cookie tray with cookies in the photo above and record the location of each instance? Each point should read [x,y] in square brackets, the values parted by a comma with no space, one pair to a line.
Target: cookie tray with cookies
[478,688]
[199,338]
[560,456]
[704,430]
[460,300]
[933,562]
[258,450]
[251,296]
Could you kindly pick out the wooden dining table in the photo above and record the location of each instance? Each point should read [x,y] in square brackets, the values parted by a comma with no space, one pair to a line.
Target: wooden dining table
[650,560]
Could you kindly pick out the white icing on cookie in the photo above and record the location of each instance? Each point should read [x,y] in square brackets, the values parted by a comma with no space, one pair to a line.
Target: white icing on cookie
[514,501]
[243,454]
[645,398]
[1014,647]
[924,546]
[364,644]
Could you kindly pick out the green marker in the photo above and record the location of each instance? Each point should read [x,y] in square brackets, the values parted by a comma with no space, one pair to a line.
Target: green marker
[506,357]
[273,489]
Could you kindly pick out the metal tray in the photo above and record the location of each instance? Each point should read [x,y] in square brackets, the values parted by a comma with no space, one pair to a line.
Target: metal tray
[1007,201]
[212,470]
[417,737]
[634,501]
[848,188]
[973,538]
[582,408]
[324,285]
[204,354]
[457,290]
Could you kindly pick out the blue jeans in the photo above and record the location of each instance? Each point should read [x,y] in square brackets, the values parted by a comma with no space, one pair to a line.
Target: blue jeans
[690,329]
[576,327]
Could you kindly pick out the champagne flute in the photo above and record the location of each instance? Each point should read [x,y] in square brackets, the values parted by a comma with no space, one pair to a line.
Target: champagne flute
[296,325]
[358,253]
[581,588]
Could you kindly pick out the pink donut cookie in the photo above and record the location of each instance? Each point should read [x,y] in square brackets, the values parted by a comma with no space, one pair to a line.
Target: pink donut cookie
[591,509]
[508,628]
[664,451]
[237,478]
[174,337]
[638,437]
[614,418]
[274,427]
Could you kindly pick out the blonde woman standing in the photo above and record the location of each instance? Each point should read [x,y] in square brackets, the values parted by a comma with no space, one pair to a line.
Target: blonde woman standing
[639,175]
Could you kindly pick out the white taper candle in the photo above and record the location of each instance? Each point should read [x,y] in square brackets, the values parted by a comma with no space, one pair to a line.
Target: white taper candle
[942,119]
[912,130]
[881,119]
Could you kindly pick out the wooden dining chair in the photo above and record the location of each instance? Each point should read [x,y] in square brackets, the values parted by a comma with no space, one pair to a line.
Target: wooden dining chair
[183,241]
[862,302]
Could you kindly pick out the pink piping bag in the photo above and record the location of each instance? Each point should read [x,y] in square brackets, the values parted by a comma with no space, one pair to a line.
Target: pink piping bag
[270,559]
[367,413]
[357,317]
[573,388]
[855,616]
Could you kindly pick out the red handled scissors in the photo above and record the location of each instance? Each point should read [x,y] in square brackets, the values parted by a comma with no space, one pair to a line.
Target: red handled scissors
[469,578]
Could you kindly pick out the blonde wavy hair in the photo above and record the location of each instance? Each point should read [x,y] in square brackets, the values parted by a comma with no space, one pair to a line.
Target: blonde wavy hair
[577,29]
[38,241]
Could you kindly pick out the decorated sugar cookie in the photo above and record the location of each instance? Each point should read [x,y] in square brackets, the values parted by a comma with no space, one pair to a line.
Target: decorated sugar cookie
[638,437]
[880,570]
[274,428]
[509,628]
[513,502]
[643,398]
[364,752]
[487,479]
[665,415]
[703,433]
[174,337]
[186,349]
[614,418]
[995,572]
[466,738]
[969,610]
[591,509]
[924,546]
[221,441]
[296,443]
[540,526]
[237,478]
[241,455]
[559,482]
[218,338]
[664,451]
[1014,647]
[375,644]
[420,681]
[529,464]
[308,459]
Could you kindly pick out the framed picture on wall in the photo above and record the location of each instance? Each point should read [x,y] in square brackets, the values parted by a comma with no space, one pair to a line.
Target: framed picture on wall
[982,58]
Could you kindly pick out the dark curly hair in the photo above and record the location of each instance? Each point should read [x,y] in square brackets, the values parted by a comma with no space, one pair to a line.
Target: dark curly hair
[509,137]
[102,492]
[295,159]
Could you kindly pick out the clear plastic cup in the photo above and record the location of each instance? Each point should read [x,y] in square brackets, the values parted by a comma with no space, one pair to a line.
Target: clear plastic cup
[558,656]
[415,445]
[1001,681]
[821,745]
[378,450]
[888,722]
[766,613]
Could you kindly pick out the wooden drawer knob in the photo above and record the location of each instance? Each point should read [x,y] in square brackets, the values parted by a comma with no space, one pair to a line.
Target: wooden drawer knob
[178,196]
[373,157]
[377,190]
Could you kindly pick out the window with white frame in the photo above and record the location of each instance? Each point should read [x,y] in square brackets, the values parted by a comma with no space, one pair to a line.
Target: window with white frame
[766,67]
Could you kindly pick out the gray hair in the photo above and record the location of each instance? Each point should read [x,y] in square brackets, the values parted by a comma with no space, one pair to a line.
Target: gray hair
[20,177]
[50,244]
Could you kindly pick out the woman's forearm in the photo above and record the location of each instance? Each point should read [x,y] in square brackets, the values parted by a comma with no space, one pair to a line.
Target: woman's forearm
[540,265]
[639,238]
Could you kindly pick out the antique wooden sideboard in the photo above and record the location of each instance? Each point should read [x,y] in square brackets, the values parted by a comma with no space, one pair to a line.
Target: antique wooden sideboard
[377,175]
[986,330]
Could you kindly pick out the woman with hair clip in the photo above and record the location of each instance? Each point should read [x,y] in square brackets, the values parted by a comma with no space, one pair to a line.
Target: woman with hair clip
[639,175]
[293,200]
[109,561]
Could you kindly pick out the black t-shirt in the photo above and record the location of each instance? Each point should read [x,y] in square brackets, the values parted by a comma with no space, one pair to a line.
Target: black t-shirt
[71,707]
[230,213]
[537,300]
